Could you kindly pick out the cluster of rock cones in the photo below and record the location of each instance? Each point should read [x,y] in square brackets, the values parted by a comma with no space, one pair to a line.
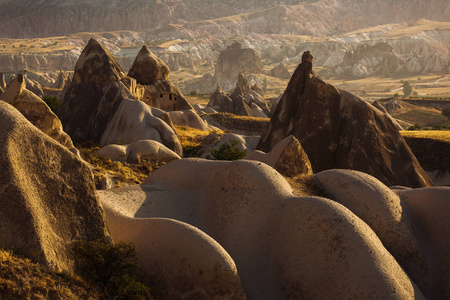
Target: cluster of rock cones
[233,230]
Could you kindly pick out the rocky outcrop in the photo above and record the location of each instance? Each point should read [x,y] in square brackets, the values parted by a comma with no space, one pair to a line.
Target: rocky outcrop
[135,121]
[284,246]
[370,60]
[61,81]
[13,62]
[188,118]
[233,60]
[179,258]
[52,193]
[280,71]
[2,81]
[150,150]
[148,68]
[220,101]
[35,110]
[93,96]
[337,129]
[287,157]
[34,87]
[243,101]
[153,74]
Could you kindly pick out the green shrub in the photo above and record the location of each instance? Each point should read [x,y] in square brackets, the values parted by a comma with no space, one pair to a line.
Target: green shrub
[407,88]
[113,269]
[228,152]
[52,102]
[416,127]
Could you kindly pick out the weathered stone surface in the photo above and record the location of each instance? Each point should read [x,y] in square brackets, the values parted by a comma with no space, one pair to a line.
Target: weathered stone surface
[147,68]
[47,195]
[135,121]
[2,81]
[337,129]
[35,110]
[220,101]
[280,71]
[429,209]
[34,87]
[94,94]
[163,94]
[180,260]
[283,246]
[189,118]
[151,150]
[114,152]
[14,90]
[381,209]
[234,60]
[96,65]
[61,80]
[241,107]
[287,157]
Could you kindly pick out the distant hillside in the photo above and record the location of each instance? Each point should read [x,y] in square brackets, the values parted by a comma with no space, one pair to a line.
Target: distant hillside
[22,18]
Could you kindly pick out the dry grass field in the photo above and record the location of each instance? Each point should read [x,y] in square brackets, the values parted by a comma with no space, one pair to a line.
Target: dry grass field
[440,135]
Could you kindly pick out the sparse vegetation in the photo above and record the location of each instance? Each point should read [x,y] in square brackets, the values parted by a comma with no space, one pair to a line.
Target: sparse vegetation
[228,151]
[52,102]
[20,278]
[112,268]
[123,173]
[305,185]
[407,88]
[440,135]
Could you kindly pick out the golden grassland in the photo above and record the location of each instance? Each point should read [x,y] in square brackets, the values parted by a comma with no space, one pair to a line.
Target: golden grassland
[440,135]
[123,173]
[20,278]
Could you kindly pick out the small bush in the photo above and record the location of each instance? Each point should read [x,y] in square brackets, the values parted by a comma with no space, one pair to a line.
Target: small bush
[407,88]
[396,95]
[228,152]
[52,102]
[416,127]
[113,269]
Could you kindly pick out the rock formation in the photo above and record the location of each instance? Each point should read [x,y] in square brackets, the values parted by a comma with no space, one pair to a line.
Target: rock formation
[240,101]
[135,121]
[188,118]
[35,110]
[150,150]
[33,87]
[153,74]
[181,260]
[61,80]
[148,68]
[94,94]
[233,60]
[283,246]
[287,157]
[47,195]
[369,60]
[399,220]
[220,101]
[337,129]
[280,71]
[2,81]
